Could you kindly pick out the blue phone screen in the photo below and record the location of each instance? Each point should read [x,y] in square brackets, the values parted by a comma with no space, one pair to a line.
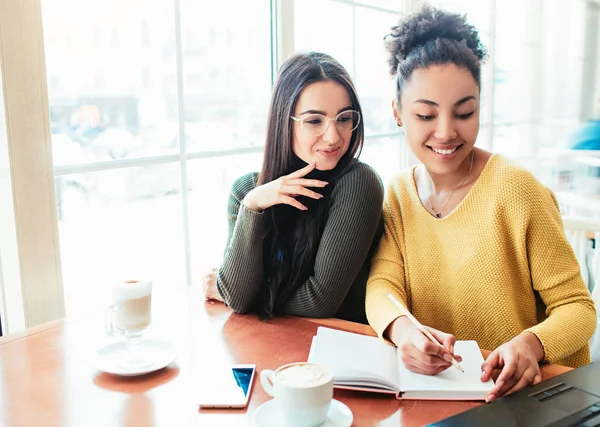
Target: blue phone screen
[242,378]
[229,388]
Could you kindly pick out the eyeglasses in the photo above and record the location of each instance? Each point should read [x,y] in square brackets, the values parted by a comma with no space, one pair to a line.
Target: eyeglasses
[317,124]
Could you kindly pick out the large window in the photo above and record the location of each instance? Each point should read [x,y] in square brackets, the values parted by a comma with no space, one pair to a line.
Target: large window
[226,73]
[165,107]
[156,107]
[151,109]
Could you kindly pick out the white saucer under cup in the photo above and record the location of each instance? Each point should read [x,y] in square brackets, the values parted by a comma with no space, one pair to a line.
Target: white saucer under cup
[268,415]
[159,354]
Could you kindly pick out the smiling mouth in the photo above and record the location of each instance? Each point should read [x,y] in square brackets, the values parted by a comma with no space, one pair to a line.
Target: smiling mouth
[331,150]
[446,151]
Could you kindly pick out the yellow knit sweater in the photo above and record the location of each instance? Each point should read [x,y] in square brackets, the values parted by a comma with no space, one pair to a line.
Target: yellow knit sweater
[496,266]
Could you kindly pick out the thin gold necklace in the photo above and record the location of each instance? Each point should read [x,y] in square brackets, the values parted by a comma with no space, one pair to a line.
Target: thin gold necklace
[439,214]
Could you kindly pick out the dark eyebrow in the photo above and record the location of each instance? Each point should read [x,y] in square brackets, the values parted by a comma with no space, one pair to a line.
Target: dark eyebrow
[434,104]
[323,112]
[425,101]
[312,112]
[465,99]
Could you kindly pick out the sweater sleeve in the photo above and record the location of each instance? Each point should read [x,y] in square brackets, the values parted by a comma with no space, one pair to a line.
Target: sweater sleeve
[555,274]
[387,269]
[240,276]
[354,216]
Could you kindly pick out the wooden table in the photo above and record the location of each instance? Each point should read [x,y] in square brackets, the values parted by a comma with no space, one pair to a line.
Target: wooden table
[47,377]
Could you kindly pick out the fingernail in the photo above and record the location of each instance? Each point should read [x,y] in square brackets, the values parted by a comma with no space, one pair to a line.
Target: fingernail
[482,374]
[452,349]
[500,384]
[447,357]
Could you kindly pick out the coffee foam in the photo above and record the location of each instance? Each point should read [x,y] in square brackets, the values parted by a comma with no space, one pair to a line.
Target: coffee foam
[132,289]
[304,375]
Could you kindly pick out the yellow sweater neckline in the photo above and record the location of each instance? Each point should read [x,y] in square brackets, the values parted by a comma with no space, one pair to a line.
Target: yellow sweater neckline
[415,193]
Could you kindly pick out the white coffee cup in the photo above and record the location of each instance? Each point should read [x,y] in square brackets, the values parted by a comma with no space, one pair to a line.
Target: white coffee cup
[302,392]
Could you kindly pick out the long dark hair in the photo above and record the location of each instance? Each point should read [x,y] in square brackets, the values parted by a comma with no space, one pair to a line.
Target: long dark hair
[291,237]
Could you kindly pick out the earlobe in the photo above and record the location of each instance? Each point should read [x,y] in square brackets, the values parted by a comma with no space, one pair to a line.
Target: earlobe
[398,119]
[396,115]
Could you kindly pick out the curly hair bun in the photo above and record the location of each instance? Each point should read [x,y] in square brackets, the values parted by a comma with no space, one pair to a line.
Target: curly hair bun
[430,24]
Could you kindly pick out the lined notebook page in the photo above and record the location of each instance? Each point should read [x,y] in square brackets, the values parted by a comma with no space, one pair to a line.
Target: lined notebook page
[451,380]
[351,355]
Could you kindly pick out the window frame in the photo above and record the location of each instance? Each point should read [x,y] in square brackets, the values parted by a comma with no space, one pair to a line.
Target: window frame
[31,290]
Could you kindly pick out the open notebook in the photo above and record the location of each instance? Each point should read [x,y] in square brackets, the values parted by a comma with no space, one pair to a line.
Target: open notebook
[361,362]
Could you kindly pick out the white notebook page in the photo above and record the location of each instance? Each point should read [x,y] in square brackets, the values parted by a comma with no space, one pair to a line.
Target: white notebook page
[451,379]
[351,355]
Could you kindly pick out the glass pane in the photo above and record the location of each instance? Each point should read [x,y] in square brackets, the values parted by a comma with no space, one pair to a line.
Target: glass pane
[227,73]
[563,61]
[373,81]
[533,61]
[516,84]
[515,140]
[384,155]
[517,59]
[116,225]
[210,182]
[324,26]
[557,132]
[109,79]
[392,5]
[518,28]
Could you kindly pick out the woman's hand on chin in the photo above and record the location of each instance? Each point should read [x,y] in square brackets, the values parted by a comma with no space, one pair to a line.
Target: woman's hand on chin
[284,190]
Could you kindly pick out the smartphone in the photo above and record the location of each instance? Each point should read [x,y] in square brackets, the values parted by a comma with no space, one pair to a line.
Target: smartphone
[230,388]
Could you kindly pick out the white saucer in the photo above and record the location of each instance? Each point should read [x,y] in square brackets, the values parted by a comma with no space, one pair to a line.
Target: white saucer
[339,415]
[161,354]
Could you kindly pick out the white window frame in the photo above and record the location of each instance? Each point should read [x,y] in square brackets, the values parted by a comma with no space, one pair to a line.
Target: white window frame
[31,264]
[31,275]
[30,268]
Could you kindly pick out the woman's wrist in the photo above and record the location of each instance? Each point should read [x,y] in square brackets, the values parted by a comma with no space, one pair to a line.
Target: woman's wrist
[250,204]
[533,342]
[396,329]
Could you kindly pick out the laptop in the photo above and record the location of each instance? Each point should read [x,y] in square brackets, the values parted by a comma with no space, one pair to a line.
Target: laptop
[569,399]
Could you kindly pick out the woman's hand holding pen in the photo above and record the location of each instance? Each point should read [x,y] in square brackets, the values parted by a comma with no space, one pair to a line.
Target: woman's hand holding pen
[284,190]
[418,353]
[518,360]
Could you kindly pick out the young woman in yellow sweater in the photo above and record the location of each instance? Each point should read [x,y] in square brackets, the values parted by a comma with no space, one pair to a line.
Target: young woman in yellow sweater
[474,246]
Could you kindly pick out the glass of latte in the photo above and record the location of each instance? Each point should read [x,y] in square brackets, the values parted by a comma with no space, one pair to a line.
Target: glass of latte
[129,317]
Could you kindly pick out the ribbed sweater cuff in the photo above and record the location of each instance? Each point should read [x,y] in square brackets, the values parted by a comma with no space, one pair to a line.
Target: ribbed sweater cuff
[244,208]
